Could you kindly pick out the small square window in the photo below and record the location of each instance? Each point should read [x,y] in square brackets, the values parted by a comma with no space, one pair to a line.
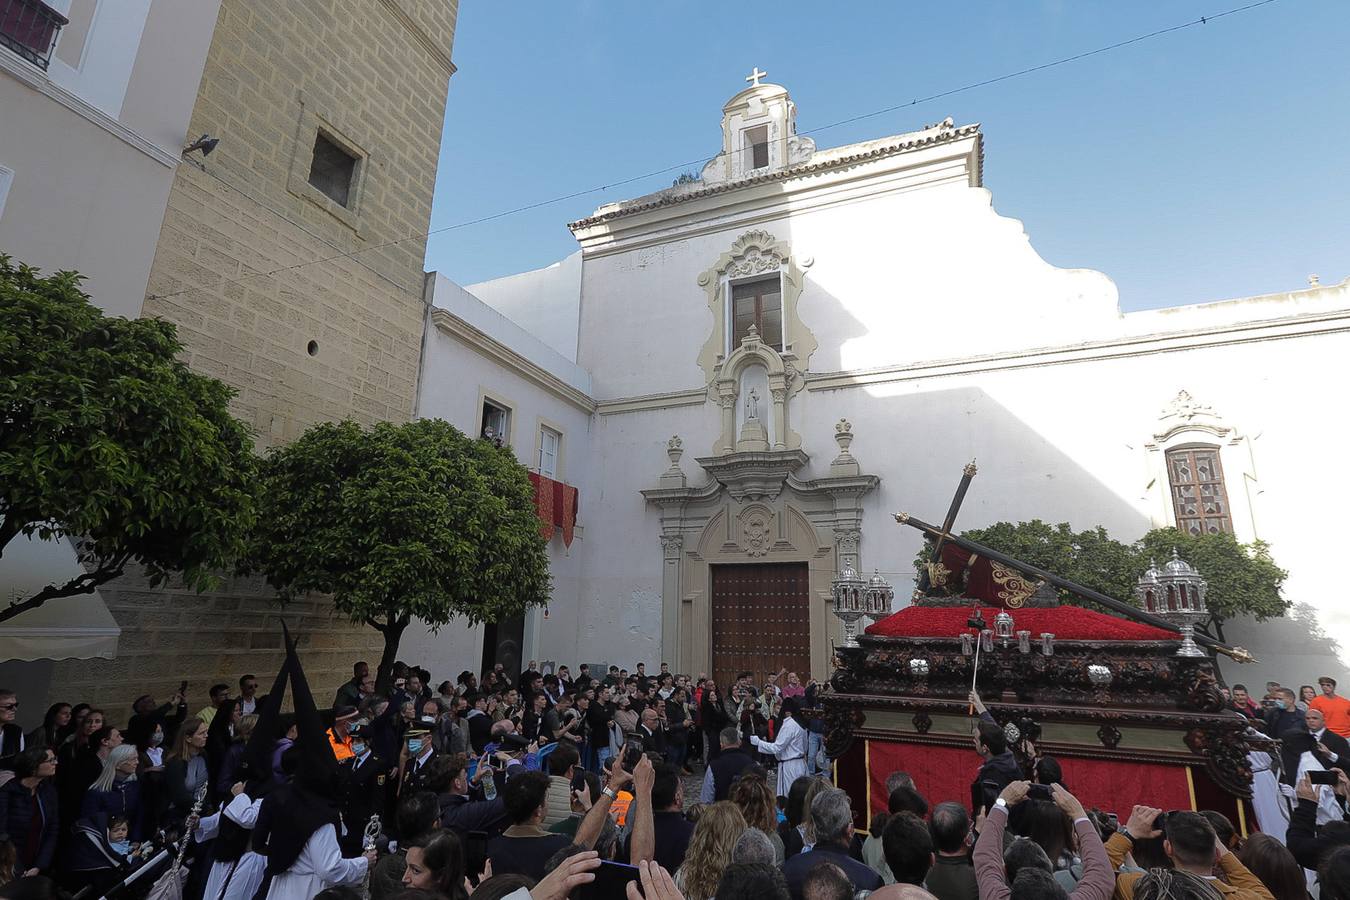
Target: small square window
[496,426]
[333,170]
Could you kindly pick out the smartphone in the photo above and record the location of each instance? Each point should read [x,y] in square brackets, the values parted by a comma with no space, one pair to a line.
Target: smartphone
[611,881]
[579,779]
[475,853]
[1039,792]
[632,755]
[1317,776]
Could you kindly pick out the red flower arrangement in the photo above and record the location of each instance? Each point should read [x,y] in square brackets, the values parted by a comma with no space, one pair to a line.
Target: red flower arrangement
[1066,623]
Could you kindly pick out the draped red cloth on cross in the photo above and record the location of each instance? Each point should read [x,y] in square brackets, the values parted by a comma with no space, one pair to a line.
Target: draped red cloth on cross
[556,505]
[986,580]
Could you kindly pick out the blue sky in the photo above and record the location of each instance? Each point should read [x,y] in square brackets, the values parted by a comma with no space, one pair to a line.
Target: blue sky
[1208,163]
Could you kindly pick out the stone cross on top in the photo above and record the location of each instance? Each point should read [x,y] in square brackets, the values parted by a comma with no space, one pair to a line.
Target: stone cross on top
[755,76]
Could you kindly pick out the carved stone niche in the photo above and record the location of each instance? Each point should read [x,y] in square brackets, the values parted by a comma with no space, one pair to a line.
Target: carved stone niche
[778,369]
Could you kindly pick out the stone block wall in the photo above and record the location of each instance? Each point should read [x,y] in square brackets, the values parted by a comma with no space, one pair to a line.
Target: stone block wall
[311,310]
[171,634]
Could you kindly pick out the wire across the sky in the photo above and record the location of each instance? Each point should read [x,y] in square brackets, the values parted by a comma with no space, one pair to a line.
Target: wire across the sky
[700,162]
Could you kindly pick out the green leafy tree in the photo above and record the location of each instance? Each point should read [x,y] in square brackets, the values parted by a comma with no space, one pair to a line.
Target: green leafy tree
[108,438]
[1243,579]
[401,521]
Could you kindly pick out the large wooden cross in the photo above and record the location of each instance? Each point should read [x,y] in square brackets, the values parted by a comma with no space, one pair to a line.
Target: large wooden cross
[922,583]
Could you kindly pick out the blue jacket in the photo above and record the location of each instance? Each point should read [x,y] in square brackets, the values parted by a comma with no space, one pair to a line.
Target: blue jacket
[123,800]
[18,805]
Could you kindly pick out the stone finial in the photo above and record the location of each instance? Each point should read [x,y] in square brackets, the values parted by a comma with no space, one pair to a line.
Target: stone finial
[844,463]
[674,476]
[674,450]
[1314,281]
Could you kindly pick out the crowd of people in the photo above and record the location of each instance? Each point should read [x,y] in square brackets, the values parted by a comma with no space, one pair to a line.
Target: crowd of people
[650,786]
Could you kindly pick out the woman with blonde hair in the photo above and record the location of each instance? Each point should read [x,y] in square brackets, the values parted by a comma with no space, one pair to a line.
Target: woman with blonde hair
[185,769]
[759,806]
[115,793]
[709,851]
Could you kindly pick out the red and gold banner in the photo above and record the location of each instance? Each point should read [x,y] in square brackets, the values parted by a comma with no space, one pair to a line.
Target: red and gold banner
[556,505]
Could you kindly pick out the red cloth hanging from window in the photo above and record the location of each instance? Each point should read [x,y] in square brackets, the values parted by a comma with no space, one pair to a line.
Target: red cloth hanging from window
[565,508]
[543,503]
[556,505]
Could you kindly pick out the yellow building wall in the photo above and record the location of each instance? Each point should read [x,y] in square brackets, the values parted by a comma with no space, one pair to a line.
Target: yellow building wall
[254,263]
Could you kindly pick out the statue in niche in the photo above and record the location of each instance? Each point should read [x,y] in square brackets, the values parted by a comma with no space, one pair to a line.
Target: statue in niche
[752,405]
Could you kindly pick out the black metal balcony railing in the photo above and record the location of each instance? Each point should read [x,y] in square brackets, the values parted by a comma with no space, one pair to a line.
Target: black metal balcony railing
[29,28]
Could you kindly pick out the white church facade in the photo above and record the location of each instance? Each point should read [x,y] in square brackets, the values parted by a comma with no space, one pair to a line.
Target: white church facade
[747,375]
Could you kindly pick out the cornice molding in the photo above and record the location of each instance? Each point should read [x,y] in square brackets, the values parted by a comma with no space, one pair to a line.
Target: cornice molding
[39,81]
[929,139]
[441,58]
[645,402]
[1092,351]
[495,350]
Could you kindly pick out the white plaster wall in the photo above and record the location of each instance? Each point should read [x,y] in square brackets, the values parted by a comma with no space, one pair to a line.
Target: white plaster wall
[545,302]
[905,278]
[454,374]
[924,274]
[1059,443]
[93,148]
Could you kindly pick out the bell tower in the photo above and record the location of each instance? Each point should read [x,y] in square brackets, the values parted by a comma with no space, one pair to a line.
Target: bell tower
[759,133]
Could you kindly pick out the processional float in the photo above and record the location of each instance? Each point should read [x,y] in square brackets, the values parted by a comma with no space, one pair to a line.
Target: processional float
[1127,699]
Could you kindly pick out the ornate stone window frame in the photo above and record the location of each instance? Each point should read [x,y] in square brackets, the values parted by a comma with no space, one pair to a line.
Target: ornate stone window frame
[754,254]
[1186,423]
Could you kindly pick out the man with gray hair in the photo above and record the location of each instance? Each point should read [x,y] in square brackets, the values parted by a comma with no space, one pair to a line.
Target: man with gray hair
[723,771]
[832,815]
[753,846]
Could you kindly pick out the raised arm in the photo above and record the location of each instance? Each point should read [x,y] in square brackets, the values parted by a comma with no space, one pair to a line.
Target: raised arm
[642,846]
[594,822]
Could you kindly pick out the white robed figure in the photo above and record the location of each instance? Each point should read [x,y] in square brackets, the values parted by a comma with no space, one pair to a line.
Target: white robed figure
[237,879]
[789,749]
[320,865]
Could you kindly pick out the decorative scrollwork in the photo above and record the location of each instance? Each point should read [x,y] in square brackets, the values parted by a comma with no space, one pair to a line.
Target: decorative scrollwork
[1225,752]
[1201,689]
[840,720]
[1109,735]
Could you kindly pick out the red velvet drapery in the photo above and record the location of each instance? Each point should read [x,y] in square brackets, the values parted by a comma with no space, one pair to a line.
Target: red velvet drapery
[945,773]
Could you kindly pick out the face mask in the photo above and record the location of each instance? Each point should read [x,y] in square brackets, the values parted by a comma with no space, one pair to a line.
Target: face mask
[352,726]
[121,848]
[157,738]
[1279,704]
[415,745]
[359,749]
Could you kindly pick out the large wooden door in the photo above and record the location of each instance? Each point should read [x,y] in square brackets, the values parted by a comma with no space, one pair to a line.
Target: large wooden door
[761,620]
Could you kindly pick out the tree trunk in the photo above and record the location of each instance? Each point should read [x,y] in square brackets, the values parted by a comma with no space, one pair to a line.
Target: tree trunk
[392,629]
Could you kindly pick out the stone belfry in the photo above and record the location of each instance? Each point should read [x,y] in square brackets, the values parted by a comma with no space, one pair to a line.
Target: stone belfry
[759,133]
